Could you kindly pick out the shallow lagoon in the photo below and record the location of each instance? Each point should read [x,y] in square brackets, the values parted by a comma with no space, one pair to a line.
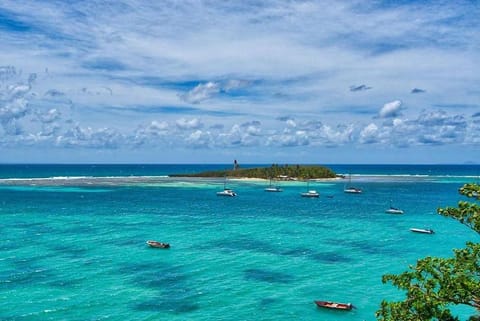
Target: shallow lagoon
[81,254]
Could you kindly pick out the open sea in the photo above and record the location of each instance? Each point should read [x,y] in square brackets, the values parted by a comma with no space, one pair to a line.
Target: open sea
[72,243]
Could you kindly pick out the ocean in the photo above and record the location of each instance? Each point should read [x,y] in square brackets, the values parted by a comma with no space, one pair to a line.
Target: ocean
[73,241]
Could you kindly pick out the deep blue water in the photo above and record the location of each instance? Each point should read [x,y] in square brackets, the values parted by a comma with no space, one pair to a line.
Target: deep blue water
[74,249]
[56,170]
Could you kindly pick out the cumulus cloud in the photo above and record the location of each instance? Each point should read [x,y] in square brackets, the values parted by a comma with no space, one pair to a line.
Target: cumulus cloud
[78,136]
[252,128]
[369,134]
[50,116]
[7,73]
[291,123]
[233,84]
[391,109]
[13,107]
[339,135]
[199,139]
[184,124]
[429,128]
[201,92]
[296,138]
[211,89]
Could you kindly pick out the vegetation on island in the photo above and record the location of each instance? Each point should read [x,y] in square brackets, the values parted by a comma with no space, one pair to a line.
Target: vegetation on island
[434,285]
[275,171]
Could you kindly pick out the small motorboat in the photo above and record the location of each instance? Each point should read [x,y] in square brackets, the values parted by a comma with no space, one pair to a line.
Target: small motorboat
[310,193]
[352,190]
[273,189]
[394,210]
[334,305]
[421,230]
[227,192]
[159,245]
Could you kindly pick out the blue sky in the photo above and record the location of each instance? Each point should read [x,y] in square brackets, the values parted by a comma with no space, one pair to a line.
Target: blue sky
[257,81]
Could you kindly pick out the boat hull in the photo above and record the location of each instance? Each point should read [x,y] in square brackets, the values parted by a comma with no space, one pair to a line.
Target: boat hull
[273,189]
[159,245]
[334,305]
[228,193]
[394,211]
[421,230]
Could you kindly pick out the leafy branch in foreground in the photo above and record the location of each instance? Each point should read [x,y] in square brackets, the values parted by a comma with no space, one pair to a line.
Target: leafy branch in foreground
[434,285]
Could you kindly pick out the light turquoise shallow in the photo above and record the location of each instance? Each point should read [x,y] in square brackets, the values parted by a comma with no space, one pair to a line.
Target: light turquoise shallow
[79,252]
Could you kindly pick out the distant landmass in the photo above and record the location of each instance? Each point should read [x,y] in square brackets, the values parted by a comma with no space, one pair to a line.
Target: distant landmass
[280,172]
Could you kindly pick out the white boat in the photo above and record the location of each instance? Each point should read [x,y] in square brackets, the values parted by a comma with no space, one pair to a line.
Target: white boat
[227,192]
[351,189]
[310,193]
[273,188]
[421,230]
[393,210]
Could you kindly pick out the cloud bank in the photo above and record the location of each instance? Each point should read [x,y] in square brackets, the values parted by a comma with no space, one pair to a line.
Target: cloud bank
[220,76]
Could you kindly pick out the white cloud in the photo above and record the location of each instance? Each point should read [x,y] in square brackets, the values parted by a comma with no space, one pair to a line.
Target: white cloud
[193,123]
[391,109]
[199,139]
[90,138]
[50,116]
[248,63]
[291,123]
[369,134]
[201,92]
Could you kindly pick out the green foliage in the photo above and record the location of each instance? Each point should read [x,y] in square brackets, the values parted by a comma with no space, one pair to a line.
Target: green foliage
[273,172]
[434,285]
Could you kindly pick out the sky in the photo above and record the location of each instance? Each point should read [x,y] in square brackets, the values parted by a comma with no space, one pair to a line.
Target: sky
[273,81]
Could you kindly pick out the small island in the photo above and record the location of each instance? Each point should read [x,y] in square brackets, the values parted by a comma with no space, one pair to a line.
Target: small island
[277,172]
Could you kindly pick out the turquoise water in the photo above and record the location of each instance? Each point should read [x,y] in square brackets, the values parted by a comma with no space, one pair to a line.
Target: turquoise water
[74,248]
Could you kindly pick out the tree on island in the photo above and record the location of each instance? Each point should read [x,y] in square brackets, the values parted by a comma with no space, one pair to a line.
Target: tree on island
[273,172]
[434,284]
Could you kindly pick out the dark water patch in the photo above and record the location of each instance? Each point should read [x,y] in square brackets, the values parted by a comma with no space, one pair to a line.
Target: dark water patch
[27,224]
[171,285]
[25,277]
[265,302]
[21,263]
[78,229]
[331,257]
[298,252]
[65,283]
[365,246]
[268,276]
[167,304]
[244,244]
[157,276]
[34,228]
[69,251]
[10,245]
[5,317]
[160,279]
[130,242]
[361,245]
